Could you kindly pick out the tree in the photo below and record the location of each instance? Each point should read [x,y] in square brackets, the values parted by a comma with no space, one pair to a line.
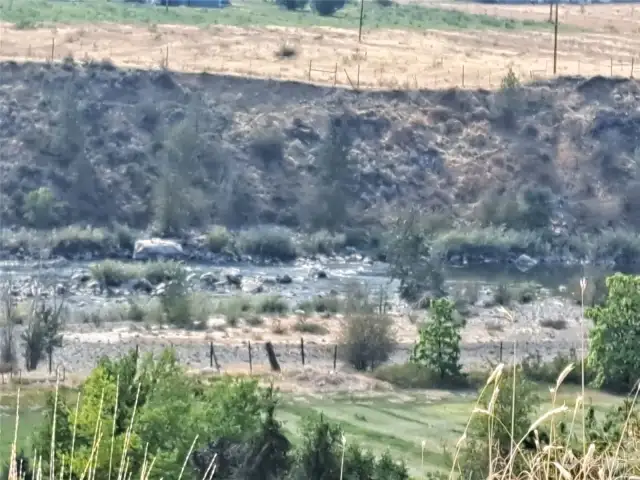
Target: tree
[438,346]
[410,260]
[613,340]
[368,337]
[42,335]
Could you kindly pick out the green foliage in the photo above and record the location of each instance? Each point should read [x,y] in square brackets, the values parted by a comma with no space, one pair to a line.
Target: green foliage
[42,335]
[410,261]
[328,206]
[327,7]
[438,347]
[40,208]
[367,336]
[511,414]
[615,335]
[293,4]
[170,407]
[319,456]
[510,80]
[270,242]
[219,239]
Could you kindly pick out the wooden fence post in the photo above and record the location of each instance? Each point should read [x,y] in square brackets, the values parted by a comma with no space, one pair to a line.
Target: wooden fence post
[273,360]
[250,360]
[335,357]
[302,349]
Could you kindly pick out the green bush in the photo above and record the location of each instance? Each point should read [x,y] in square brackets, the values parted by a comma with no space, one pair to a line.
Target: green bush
[438,347]
[615,323]
[218,239]
[150,411]
[416,376]
[368,339]
[269,242]
[329,304]
[327,7]
[511,409]
[40,208]
[312,328]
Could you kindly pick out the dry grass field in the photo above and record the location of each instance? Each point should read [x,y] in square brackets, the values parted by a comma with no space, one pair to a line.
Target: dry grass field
[604,44]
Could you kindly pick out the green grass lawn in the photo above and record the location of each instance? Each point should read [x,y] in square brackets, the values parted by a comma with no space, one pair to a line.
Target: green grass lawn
[399,424]
[31,13]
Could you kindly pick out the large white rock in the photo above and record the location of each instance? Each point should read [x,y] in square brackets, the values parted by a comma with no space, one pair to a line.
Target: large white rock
[155,248]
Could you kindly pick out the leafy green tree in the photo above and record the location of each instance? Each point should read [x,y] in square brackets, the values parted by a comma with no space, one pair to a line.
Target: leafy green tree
[438,347]
[613,340]
[171,408]
[410,261]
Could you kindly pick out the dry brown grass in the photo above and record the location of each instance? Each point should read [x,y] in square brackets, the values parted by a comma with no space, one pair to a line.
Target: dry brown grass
[621,19]
[386,59]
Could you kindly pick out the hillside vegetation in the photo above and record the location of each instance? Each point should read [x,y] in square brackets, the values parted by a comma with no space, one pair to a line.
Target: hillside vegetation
[94,144]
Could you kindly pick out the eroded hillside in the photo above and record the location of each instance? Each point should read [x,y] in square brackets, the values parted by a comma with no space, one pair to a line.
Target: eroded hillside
[116,145]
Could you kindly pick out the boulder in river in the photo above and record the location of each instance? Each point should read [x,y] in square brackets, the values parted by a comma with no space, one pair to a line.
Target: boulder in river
[154,248]
[525,262]
[284,279]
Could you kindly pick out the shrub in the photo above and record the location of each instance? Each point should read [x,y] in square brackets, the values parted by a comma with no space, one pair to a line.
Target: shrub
[293,4]
[535,369]
[42,335]
[323,242]
[152,389]
[274,304]
[438,346]
[324,454]
[368,339]
[410,261]
[327,7]
[511,406]
[312,328]
[40,208]
[269,242]
[416,376]
[330,304]
[218,239]
[112,273]
[615,324]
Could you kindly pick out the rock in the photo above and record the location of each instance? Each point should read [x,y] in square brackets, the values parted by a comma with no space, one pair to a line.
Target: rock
[81,277]
[284,279]
[141,285]
[320,274]
[269,281]
[60,289]
[486,298]
[234,277]
[191,277]
[525,262]
[155,248]
[253,287]
[209,278]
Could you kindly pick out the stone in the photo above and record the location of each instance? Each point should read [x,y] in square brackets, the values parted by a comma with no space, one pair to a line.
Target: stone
[155,248]
[141,285]
[209,278]
[524,262]
[284,279]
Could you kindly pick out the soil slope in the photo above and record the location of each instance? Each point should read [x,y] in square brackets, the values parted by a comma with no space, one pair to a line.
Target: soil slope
[248,151]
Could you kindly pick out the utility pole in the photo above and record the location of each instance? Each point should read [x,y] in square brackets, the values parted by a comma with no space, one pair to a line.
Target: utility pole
[555,42]
[361,19]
